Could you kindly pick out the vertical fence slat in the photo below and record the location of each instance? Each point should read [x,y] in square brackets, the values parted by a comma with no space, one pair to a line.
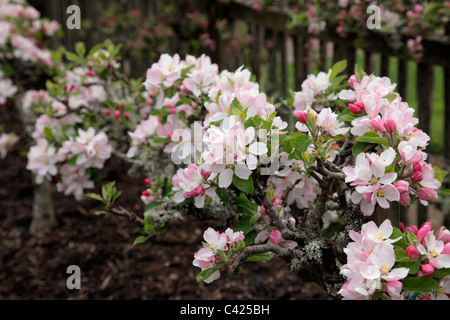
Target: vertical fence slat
[424,94]
[447,112]
[384,67]
[299,61]
[402,83]
[282,42]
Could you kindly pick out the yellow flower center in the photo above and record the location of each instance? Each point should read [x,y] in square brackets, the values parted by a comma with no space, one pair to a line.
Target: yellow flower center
[384,269]
[434,253]
[212,246]
[380,193]
[373,181]
[380,235]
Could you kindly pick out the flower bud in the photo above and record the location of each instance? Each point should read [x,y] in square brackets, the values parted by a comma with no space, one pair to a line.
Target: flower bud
[423,231]
[108,112]
[417,167]
[205,174]
[354,108]
[352,80]
[427,270]
[390,125]
[417,176]
[402,186]
[427,194]
[446,249]
[376,124]
[145,193]
[412,229]
[401,226]
[275,237]
[147,182]
[117,114]
[301,116]
[394,287]
[412,252]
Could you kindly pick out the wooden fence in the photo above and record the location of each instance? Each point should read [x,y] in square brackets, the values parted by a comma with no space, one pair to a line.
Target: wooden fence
[283,65]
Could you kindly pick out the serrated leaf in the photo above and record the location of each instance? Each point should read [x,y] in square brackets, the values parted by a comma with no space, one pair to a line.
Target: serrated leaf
[420,284]
[243,185]
[337,68]
[372,137]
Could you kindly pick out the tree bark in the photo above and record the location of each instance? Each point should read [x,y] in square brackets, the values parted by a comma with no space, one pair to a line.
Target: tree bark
[43,214]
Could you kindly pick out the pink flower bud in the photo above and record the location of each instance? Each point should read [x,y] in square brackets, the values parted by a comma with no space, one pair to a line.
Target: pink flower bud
[352,80]
[192,193]
[275,237]
[412,229]
[412,252]
[418,8]
[376,124]
[147,182]
[390,125]
[126,115]
[402,186]
[401,226]
[417,167]
[427,194]
[354,108]
[117,114]
[145,193]
[417,177]
[205,174]
[423,231]
[301,116]
[405,199]
[427,269]
[108,112]
[394,287]
[446,249]
[200,191]
[262,210]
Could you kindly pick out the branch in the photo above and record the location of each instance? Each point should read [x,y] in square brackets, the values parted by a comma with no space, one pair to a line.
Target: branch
[286,254]
[122,212]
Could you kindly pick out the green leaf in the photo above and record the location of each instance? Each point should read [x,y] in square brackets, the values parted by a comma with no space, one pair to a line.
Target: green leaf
[412,265]
[400,254]
[396,233]
[259,257]
[337,68]
[152,205]
[390,97]
[359,72]
[223,196]
[94,196]
[205,274]
[439,174]
[140,239]
[243,205]
[49,134]
[420,284]
[440,273]
[302,143]
[243,185]
[372,137]
[235,108]
[80,49]
[359,147]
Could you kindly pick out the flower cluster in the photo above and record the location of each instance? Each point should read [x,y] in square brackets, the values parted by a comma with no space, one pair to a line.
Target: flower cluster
[21,33]
[216,250]
[73,160]
[380,114]
[383,262]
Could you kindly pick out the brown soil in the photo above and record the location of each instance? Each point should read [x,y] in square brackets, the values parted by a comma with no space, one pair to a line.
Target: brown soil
[34,267]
